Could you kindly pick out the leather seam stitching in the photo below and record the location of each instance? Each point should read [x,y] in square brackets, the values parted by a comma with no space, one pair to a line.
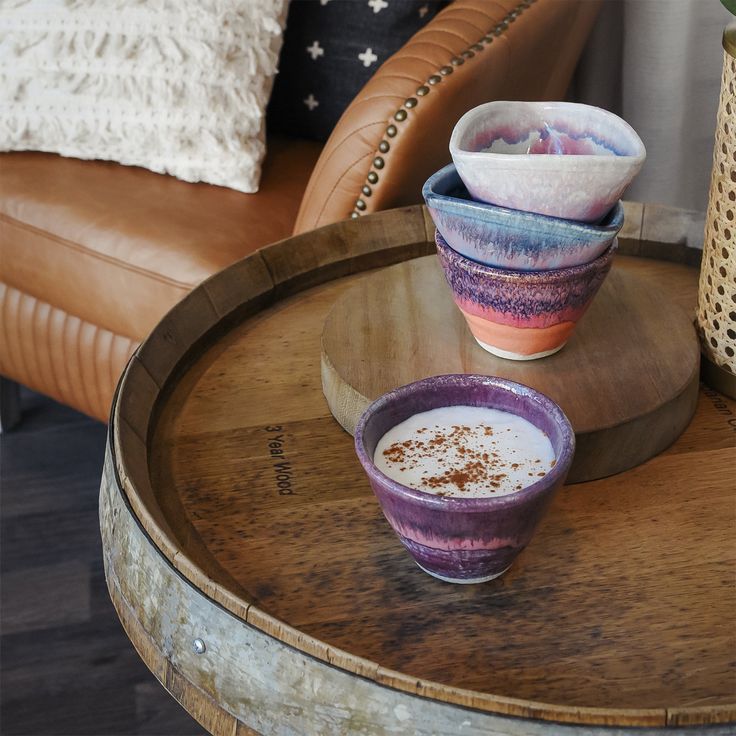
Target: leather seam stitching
[438,45]
[323,164]
[381,97]
[78,351]
[49,317]
[27,295]
[449,33]
[389,75]
[337,182]
[18,336]
[422,59]
[95,370]
[93,254]
[33,352]
[350,135]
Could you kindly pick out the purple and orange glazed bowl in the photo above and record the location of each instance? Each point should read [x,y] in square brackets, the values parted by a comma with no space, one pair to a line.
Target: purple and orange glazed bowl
[561,159]
[521,315]
[464,540]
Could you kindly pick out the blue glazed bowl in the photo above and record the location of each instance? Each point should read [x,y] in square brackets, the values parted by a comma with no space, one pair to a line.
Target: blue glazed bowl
[513,239]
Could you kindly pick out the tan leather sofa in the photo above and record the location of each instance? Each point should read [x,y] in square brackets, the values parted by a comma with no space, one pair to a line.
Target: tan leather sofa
[92,254]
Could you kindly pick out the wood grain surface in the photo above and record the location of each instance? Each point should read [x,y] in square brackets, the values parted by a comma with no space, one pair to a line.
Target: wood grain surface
[620,612]
[627,379]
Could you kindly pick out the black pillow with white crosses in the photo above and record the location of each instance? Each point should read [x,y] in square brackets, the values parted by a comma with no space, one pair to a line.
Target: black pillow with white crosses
[331,49]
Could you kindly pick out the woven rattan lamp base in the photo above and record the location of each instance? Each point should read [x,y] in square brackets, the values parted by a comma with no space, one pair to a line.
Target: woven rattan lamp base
[717,292]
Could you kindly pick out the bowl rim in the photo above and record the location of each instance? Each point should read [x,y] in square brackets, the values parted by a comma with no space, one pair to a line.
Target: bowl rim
[518,219]
[551,275]
[626,160]
[454,503]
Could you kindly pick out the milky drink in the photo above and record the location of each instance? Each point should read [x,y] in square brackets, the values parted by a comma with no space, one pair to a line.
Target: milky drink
[465,452]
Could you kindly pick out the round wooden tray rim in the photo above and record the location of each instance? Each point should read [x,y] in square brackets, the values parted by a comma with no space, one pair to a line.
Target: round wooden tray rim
[123,441]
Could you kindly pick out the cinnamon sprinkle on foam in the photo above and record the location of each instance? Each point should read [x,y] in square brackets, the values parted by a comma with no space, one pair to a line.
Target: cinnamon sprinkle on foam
[465,451]
[473,466]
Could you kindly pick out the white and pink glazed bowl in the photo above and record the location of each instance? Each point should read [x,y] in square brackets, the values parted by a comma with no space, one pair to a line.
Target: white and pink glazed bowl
[554,158]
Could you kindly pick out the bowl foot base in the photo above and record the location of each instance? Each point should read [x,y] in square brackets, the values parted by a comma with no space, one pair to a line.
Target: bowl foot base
[508,355]
[463,581]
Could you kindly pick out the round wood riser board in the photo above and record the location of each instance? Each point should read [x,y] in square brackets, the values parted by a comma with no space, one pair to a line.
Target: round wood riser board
[627,379]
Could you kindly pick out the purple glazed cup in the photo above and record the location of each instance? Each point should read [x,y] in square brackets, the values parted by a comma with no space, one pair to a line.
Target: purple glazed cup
[464,540]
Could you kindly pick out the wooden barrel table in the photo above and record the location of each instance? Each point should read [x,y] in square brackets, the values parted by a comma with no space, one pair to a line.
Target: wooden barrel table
[254,573]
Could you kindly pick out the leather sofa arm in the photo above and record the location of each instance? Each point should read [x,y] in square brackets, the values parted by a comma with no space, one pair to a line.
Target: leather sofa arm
[396,131]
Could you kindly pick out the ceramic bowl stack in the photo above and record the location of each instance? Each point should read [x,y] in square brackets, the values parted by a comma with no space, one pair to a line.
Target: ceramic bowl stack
[527,218]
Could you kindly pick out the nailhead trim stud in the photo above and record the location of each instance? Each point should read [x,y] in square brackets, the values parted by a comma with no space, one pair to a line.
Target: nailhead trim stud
[434,79]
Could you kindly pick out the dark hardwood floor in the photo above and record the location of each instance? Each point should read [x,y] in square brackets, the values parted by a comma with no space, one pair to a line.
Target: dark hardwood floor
[66,665]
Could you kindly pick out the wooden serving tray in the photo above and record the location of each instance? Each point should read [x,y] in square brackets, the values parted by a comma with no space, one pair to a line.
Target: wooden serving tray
[627,379]
[251,566]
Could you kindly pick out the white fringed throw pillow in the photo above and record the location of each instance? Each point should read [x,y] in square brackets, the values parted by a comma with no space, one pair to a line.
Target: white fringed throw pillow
[177,86]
